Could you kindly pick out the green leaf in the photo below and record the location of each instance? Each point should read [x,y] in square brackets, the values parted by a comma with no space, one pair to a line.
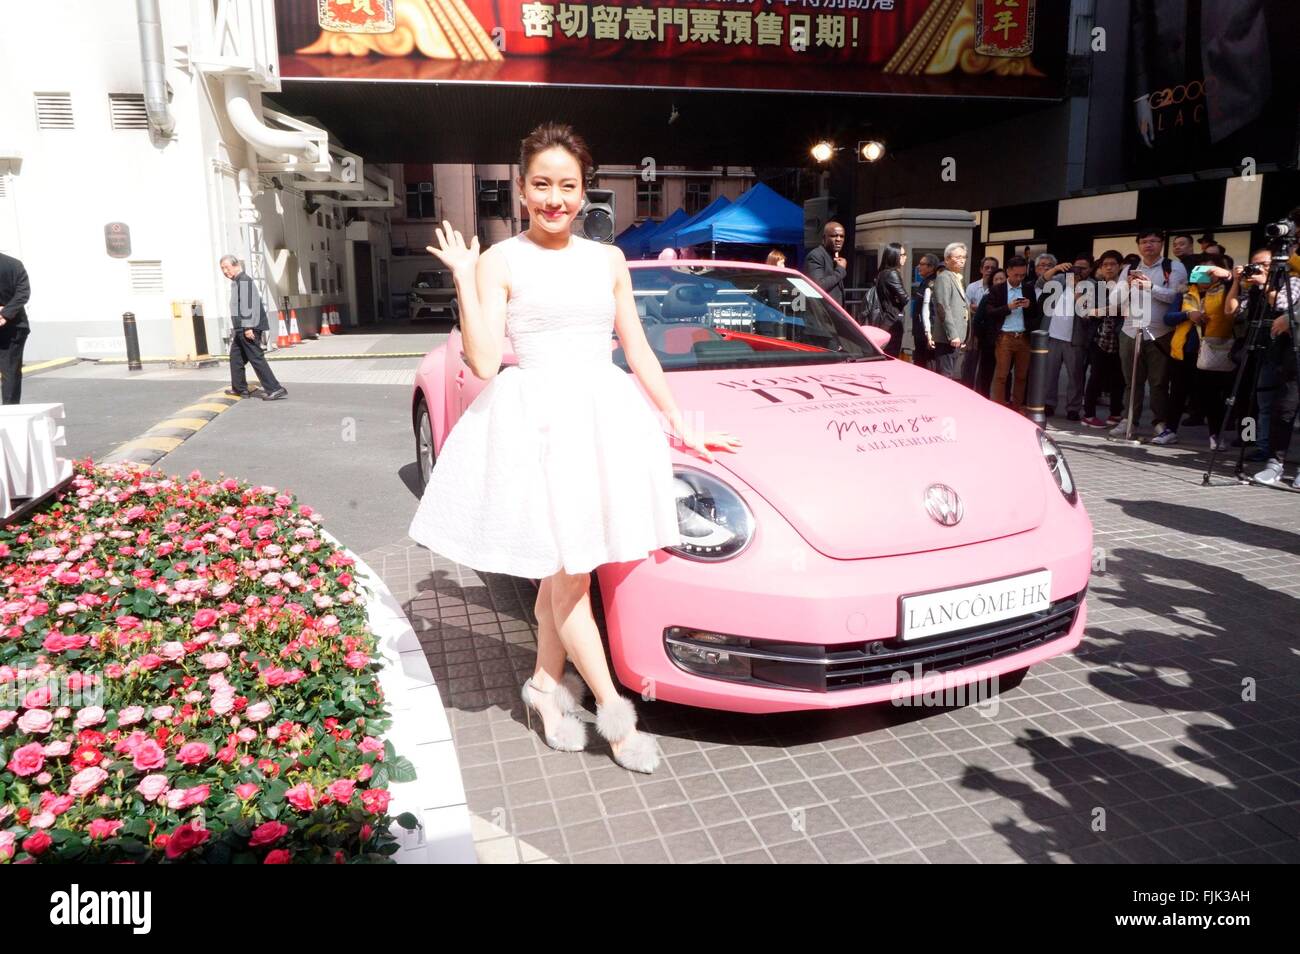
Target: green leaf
[402,770]
[408,821]
[380,778]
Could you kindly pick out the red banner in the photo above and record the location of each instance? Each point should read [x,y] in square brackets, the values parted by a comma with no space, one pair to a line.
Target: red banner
[984,47]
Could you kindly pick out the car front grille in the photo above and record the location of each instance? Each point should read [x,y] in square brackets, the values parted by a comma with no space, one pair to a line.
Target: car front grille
[829,668]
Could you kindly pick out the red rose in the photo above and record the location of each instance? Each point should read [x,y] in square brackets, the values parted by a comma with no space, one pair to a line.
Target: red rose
[375,800]
[267,833]
[185,838]
[87,755]
[150,661]
[37,843]
[277,857]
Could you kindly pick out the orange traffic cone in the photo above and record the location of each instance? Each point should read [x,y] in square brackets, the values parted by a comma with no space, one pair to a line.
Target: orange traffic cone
[325,329]
[282,336]
[294,336]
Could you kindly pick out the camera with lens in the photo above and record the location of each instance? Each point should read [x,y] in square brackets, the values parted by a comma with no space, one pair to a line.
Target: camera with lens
[1284,229]
[1251,270]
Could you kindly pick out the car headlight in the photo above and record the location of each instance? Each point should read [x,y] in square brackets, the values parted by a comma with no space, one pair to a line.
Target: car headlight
[714,521]
[1055,459]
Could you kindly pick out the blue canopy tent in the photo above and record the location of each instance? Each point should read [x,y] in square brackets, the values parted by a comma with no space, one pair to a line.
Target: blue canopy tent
[640,244]
[627,239]
[667,237]
[759,217]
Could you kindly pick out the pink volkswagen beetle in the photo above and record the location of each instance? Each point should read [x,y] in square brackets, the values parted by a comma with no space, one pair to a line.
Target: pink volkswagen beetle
[884,532]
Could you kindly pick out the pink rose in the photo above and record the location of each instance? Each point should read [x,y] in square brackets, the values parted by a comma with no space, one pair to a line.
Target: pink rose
[357,660]
[179,798]
[246,790]
[267,833]
[258,711]
[38,698]
[104,828]
[91,715]
[87,780]
[56,804]
[205,618]
[130,716]
[44,778]
[172,650]
[214,660]
[341,790]
[162,712]
[57,749]
[302,797]
[7,717]
[150,661]
[43,820]
[192,753]
[35,722]
[371,744]
[277,857]
[149,755]
[27,760]
[153,787]
[7,850]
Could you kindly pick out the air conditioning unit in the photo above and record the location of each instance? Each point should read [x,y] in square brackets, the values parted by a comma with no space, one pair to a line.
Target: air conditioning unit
[596,221]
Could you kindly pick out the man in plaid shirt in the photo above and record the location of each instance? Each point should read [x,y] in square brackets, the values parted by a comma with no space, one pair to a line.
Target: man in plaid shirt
[1099,299]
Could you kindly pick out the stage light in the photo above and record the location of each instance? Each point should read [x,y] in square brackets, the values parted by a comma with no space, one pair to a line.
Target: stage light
[823,151]
[872,150]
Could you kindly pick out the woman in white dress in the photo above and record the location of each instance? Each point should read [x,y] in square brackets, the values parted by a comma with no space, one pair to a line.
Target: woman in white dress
[558,466]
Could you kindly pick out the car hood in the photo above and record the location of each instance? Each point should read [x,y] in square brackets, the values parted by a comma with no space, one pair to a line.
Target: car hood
[847,453]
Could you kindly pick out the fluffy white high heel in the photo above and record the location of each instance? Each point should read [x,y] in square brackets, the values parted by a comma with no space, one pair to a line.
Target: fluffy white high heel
[570,733]
[615,722]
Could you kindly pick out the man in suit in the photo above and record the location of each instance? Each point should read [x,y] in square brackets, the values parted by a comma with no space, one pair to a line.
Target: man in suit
[1011,313]
[14,292]
[825,265]
[248,318]
[952,327]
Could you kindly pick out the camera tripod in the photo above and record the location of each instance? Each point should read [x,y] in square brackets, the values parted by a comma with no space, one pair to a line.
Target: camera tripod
[1259,320]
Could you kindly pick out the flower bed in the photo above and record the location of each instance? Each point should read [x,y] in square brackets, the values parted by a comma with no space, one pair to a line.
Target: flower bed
[186,674]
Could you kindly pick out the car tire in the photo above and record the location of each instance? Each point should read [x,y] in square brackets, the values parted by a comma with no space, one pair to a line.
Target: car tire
[425,458]
[1012,680]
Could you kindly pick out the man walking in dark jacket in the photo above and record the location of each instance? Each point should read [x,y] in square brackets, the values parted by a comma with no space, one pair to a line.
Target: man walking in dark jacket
[248,318]
[14,292]
[825,265]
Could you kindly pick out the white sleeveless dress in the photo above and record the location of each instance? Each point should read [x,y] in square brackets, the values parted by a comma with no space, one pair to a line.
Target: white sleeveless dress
[559,463]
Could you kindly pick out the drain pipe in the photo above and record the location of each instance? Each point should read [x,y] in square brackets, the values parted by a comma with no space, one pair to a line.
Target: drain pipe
[265,140]
[152,66]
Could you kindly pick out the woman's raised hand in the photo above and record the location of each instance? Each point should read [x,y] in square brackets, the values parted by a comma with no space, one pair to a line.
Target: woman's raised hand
[453,252]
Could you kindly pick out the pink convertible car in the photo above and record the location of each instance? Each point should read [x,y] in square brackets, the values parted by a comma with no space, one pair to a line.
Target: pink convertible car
[883,533]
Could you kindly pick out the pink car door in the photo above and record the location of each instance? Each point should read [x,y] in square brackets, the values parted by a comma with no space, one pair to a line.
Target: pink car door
[464,385]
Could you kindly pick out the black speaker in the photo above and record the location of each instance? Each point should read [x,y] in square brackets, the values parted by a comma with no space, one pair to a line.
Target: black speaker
[596,220]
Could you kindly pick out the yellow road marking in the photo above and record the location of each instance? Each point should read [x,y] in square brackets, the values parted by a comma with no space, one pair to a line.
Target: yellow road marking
[165,444]
[54,363]
[192,423]
[206,406]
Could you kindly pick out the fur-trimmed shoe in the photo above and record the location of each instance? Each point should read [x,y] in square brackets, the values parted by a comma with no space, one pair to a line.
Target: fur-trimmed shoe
[570,691]
[615,722]
[570,734]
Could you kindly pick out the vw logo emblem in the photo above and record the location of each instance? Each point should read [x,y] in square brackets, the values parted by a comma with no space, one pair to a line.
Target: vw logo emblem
[943,504]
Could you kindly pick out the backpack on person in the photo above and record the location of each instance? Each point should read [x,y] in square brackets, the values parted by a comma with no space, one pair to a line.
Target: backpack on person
[870,312]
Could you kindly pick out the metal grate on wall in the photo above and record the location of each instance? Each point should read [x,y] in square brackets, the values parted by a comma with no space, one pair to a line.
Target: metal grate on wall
[54,111]
[4,186]
[146,278]
[126,111]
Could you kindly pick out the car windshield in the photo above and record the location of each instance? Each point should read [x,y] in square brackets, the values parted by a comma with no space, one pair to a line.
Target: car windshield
[729,316]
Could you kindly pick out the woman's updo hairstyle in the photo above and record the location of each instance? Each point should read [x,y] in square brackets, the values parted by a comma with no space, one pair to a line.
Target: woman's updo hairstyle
[550,135]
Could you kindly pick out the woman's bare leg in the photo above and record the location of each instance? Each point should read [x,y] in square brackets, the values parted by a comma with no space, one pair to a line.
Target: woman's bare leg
[576,624]
[550,656]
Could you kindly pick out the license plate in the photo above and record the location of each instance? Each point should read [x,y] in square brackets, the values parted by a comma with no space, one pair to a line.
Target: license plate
[933,614]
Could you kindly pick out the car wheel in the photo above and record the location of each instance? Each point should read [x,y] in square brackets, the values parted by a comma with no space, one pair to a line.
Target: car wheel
[424,455]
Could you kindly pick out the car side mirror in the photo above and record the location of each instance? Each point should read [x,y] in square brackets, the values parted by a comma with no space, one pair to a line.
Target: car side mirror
[877,336]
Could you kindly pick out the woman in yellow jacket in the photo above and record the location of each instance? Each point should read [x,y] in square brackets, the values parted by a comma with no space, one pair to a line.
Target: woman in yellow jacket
[1202,346]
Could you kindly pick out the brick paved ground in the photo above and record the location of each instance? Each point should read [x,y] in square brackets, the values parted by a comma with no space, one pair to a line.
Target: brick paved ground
[1176,724]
